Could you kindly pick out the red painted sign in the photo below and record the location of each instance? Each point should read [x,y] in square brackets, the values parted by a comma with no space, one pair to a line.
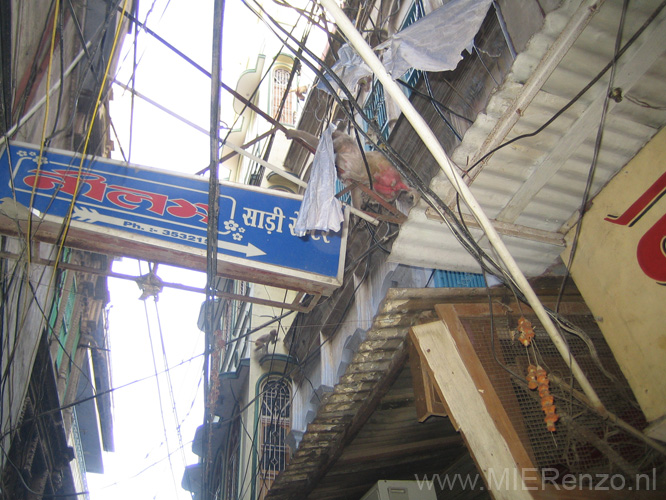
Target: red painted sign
[651,250]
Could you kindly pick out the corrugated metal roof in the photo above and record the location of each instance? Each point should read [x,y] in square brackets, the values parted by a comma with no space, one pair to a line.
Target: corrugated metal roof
[322,466]
[373,370]
[539,182]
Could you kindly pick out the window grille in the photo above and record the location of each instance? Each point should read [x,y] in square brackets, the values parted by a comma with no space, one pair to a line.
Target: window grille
[375,108]
[412,76]
[458,279]
[375,104]
[275,422]
[233,458]
[280,82]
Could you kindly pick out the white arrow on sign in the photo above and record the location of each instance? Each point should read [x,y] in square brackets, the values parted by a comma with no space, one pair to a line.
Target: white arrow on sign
[90,215]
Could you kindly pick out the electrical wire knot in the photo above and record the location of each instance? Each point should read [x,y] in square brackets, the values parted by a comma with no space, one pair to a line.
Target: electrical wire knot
[150,284]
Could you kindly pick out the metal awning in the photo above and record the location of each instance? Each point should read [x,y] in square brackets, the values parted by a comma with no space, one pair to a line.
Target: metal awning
[533,188]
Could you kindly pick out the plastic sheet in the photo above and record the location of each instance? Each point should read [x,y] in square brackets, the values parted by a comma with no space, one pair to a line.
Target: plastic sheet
[350,68]
[435,42]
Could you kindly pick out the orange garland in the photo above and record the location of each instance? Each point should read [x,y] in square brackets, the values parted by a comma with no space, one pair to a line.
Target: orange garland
[538,379]
[526,331]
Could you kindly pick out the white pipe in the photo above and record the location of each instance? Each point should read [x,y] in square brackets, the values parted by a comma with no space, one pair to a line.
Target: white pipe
[41,102]
[264,163]
[294,179]
[162,108]
[431,142]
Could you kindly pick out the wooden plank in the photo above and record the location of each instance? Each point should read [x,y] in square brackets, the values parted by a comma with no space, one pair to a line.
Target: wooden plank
[629,71]
[426,400]
[108,243]
[456,370]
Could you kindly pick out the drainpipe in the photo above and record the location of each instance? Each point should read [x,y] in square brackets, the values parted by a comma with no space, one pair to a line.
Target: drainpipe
[449,169]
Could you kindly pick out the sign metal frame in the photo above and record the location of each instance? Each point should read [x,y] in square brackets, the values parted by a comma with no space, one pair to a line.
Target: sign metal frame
[158,215]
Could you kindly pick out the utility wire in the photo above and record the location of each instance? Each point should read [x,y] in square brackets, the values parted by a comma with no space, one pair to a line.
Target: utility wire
[595,156]
[42,145]
[472,167]
[159,398]
[467,240]
[44,126]
[145,469]
[102,393]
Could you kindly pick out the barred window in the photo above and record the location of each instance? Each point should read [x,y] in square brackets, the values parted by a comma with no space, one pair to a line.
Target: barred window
[275,422]
[280,82]
[233,459]
[375,104]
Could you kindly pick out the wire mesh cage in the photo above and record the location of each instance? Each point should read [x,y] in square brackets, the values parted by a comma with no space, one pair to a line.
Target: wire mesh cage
[583,442]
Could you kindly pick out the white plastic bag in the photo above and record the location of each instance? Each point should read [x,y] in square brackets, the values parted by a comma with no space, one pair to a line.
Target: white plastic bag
[320,209]
[349,67]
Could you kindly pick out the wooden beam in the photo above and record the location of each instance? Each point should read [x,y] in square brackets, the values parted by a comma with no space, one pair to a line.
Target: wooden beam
[630,70]
[105,242]
[509,229]
[427,401]
[457,372]
[293,305]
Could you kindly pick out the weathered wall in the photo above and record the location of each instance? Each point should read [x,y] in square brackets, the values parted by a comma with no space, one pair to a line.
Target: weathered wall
[337,351]
[22,324]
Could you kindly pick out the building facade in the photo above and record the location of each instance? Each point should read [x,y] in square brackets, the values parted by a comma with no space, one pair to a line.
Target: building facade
[56,401]
[546,110]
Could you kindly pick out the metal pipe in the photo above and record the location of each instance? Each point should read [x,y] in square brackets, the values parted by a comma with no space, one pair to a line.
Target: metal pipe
[211,247]
[269,166]
[161,108]
[449,169]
